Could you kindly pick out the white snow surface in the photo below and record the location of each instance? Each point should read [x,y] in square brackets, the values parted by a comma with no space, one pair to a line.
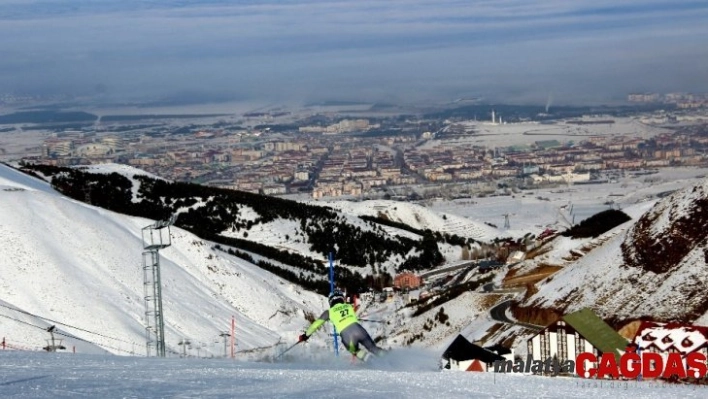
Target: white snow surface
[121,169]
[11,178]
[398,376]
[419,217]
[526,133]
[532,211]
[79,267]
[600,278]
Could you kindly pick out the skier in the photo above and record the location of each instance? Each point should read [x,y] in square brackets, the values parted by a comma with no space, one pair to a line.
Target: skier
[343,316]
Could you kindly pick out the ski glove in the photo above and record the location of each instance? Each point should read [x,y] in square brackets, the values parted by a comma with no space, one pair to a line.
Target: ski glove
[303,338]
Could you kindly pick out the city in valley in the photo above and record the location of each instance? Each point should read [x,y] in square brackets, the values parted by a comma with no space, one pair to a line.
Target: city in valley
[463,148]
[222,199]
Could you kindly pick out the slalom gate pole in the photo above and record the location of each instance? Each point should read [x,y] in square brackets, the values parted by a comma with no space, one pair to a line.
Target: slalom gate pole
[286,350]
[331,290]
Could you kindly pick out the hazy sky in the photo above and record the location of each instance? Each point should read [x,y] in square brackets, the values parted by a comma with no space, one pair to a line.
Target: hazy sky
[579,51]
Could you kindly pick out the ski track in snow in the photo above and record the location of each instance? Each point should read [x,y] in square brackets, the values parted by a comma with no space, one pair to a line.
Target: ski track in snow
[43,375]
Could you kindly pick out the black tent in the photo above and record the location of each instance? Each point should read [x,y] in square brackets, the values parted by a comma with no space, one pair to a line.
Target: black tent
[461,349]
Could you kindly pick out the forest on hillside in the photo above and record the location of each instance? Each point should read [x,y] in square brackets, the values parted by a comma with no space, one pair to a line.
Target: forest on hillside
[209,212]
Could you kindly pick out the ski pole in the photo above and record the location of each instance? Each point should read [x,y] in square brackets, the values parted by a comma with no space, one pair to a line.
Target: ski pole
[373,321]
[286,350]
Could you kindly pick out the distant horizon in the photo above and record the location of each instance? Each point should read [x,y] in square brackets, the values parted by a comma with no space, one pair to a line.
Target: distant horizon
[77,102]
[412,51]
[85,110]
[202,98]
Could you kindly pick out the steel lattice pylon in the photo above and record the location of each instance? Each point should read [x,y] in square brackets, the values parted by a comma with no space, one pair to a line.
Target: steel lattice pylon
[155,237]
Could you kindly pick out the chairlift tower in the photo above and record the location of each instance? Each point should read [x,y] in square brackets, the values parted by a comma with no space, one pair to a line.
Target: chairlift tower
[52,345]
[226,335]
[507,224]
[155,237]
[185,343]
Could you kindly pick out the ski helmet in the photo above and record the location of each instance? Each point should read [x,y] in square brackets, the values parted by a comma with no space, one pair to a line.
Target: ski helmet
[336,297]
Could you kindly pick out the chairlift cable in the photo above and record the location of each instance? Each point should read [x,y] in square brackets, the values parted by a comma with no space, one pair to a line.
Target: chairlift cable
[67,325]
[68,336]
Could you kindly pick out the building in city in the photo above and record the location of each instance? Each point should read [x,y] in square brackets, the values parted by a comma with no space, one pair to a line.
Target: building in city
[573,334]
[407,280]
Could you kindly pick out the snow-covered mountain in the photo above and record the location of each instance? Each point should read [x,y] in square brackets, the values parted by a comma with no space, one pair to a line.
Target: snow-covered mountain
[652,267]
[371,238]
[76,266]
[79,267]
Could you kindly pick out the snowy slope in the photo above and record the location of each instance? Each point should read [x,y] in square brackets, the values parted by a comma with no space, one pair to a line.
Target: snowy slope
[403,376]
[125,170]
[11,178]
[287,235]
[255,223]
[653,266]
[95,291]
[80,267]
[459,312]
[419,217]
